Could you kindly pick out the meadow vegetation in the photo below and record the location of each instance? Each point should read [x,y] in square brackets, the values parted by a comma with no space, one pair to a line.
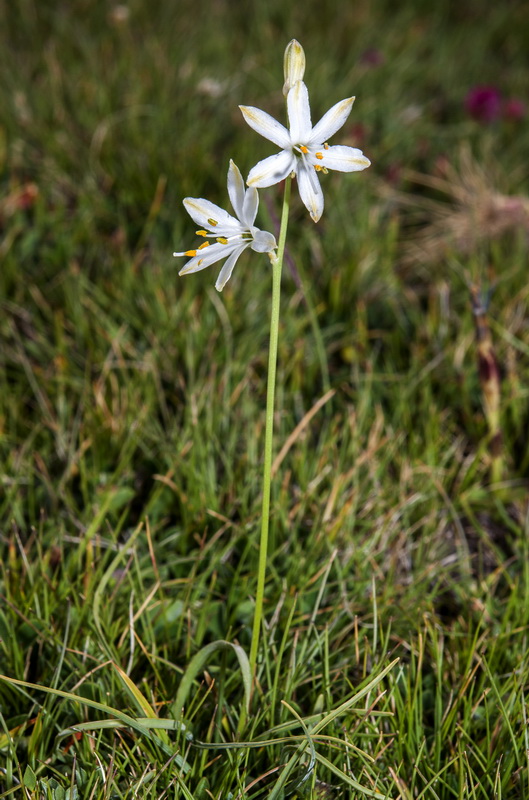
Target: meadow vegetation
[131,409]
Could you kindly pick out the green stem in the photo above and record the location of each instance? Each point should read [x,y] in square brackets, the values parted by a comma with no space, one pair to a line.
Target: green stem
[277,265]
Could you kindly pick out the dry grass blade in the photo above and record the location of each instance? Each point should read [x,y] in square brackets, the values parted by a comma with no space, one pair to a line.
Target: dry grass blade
[473,211]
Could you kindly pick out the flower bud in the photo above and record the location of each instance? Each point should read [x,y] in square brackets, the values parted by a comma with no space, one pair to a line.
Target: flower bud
[294,65]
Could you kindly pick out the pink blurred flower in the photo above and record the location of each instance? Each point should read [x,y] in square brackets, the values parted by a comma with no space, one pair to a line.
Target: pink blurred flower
[514,109]
[372,57]
[484,103]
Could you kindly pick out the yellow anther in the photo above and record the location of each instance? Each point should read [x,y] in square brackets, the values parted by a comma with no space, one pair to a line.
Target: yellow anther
[201,233]
[326,146]
[221,240]
[213,222]
[190,253]
[319,155]
[304,149]
[204,244]
[318,167]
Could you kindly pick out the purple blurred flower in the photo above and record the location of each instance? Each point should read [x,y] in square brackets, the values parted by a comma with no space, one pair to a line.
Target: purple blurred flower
[484,103]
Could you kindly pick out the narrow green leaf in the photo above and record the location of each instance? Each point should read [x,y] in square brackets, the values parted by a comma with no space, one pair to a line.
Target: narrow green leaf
[100,591]
[337,712]
[138,698]
[197,664]
[146,722]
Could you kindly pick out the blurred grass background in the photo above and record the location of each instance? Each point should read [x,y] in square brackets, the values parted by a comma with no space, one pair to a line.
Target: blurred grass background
[131,397]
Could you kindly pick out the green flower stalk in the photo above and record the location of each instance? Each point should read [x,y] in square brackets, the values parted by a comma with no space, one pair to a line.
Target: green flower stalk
[277,266]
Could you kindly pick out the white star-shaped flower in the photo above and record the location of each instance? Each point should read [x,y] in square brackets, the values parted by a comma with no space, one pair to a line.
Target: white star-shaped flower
[304,149]
[231,235]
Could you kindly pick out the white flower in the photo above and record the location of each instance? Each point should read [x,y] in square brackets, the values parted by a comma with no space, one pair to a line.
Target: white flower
[231,235]
[304,149]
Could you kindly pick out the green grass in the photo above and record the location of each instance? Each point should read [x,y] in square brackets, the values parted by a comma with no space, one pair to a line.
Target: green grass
[132,417]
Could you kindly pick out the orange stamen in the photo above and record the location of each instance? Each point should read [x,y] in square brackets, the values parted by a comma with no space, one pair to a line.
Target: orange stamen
[304,149]
[190,253]
[213,222]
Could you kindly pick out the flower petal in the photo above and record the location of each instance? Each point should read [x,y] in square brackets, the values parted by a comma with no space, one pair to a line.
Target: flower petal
[250,206]
[208,256]
[266,125]
[310,190]
[203,212]
[236,188]
[332,121]
[272,169]
[263,242]
[344,159]
[299,113]
[227,269]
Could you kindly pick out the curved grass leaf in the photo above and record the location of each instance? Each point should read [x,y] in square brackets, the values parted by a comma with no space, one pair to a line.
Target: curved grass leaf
[295,784]
[197,664]
[351,781]
[139,699]
[125,719]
